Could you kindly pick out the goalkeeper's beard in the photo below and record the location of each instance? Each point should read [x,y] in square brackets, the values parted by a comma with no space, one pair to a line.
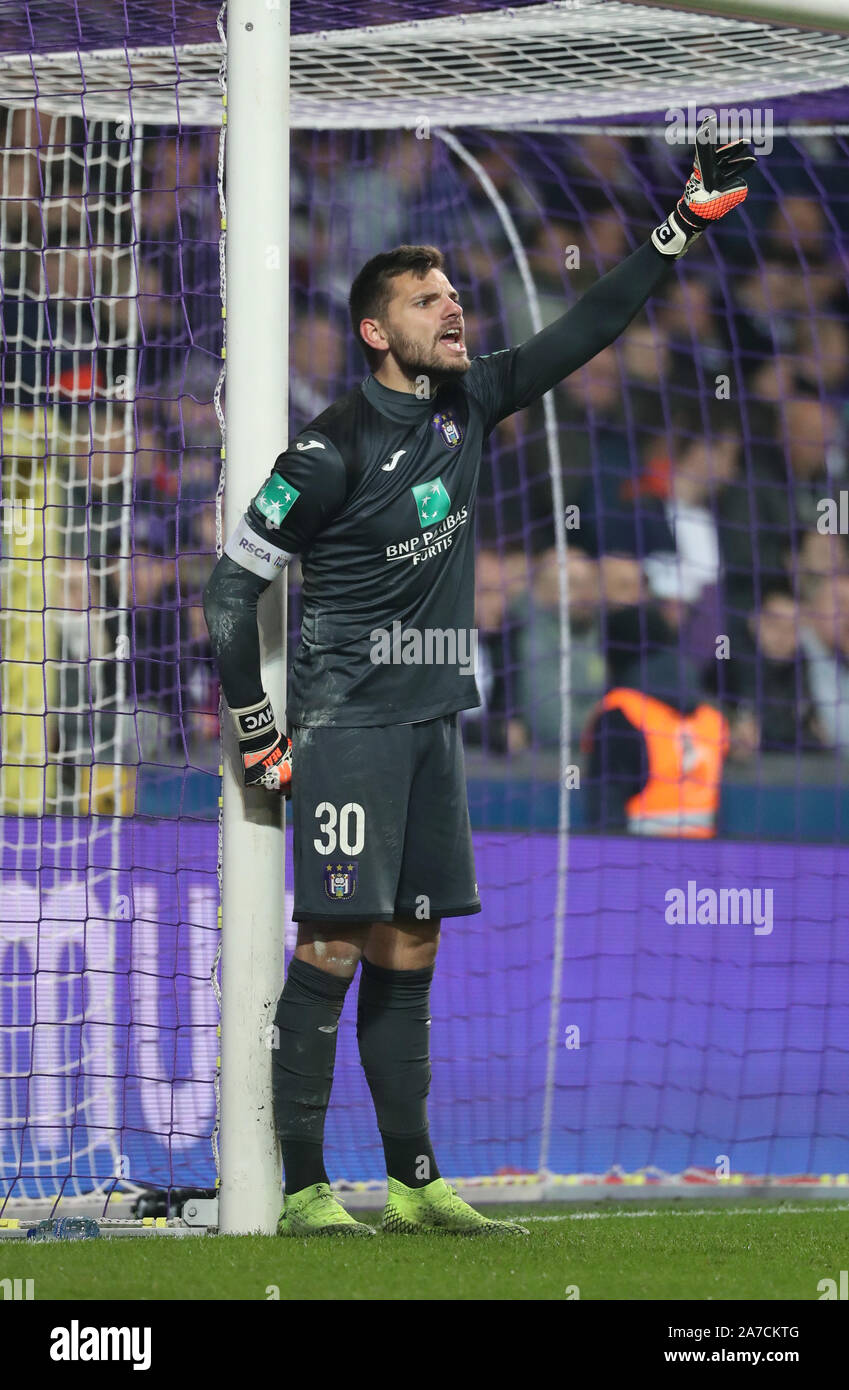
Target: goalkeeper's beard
[415,361]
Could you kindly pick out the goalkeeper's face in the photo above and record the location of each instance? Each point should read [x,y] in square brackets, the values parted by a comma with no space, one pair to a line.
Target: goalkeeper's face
[424,329]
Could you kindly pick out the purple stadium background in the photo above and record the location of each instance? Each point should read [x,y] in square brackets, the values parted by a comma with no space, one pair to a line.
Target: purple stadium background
[694,1041]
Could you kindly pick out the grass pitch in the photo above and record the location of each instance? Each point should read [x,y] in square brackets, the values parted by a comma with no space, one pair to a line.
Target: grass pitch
[686,1250]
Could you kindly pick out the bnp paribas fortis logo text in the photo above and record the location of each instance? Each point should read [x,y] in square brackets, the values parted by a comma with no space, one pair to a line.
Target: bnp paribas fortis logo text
[432,501]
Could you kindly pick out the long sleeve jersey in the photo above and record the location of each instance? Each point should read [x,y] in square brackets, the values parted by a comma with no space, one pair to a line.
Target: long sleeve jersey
[377,496]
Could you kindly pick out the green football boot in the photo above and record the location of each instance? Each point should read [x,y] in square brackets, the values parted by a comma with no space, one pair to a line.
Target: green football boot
[314,1211]
[437,1210]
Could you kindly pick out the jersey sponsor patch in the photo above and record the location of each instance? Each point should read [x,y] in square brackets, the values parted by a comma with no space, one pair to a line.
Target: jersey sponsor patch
[449,429]
[255,554]
[276,499]
[340,880]
[432,501]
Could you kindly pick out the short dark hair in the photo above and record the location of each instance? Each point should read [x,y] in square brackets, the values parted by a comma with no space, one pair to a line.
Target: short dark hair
[372,290]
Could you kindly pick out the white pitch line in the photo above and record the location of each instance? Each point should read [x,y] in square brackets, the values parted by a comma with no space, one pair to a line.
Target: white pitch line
[698,1211]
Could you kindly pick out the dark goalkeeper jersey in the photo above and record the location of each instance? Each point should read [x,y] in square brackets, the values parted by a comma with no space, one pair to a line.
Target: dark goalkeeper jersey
[382,489]
[377,496]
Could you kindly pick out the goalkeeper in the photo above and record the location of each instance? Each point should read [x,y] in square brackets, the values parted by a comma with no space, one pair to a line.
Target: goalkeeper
[377,496]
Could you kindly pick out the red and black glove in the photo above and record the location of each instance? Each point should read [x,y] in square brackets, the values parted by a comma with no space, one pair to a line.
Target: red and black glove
[266,754]
[715,187]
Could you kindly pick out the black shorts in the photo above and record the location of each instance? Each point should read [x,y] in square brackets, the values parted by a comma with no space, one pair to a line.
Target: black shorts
[381,823]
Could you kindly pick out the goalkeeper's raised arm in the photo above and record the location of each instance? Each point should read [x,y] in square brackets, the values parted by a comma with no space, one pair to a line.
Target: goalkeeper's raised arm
[377,494]
[715,187]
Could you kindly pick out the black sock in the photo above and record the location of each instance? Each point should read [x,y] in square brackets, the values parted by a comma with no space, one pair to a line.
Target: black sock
[302,1068]
[409,1158]
[303,1164]
[393,1031]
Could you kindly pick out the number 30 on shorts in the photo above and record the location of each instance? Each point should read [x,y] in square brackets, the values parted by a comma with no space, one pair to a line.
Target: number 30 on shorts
[347,828]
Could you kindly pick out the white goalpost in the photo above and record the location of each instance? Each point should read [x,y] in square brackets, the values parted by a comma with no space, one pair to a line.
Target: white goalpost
[256,142]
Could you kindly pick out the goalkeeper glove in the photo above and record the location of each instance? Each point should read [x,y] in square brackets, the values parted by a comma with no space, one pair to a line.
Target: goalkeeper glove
[715,186]
[266,755]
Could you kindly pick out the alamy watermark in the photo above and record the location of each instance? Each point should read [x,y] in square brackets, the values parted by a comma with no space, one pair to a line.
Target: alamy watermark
[19,1289]
[720,907]
[833,515]
[732,123]
[430,646]
[82,1343]
[17,518]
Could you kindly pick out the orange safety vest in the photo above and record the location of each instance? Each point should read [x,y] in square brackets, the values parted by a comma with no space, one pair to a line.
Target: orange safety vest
[685,753]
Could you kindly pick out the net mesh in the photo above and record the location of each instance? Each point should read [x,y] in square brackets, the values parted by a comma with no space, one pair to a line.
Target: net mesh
[694,457]
[110,445]
[41,26]
[568,59]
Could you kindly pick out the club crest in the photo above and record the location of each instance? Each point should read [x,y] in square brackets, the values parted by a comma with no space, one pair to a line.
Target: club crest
[340,881]
[449,429]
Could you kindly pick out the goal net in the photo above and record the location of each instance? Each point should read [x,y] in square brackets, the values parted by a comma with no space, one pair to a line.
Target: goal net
[658,517]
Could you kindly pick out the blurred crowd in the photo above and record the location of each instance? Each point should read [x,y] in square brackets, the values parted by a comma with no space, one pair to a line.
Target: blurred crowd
[693,457]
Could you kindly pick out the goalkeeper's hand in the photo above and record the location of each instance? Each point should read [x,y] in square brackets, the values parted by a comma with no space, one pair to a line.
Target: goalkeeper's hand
[714,188]
[266,755]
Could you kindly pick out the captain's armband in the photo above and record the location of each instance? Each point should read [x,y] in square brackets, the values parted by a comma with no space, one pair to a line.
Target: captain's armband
[256,553]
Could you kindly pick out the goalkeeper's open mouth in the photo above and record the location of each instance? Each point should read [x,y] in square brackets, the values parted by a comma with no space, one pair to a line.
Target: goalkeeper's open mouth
[453,339]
